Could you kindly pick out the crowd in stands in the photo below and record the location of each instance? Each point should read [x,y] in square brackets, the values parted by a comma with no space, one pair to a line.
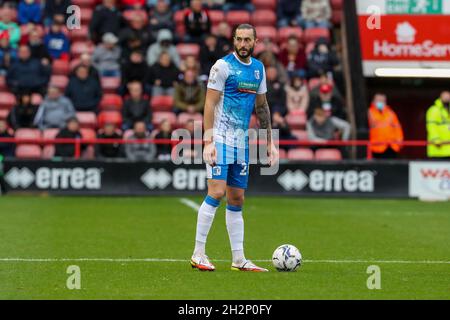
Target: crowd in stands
[137,69]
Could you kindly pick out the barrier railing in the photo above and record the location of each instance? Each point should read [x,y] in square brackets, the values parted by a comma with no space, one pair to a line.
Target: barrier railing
[298,143]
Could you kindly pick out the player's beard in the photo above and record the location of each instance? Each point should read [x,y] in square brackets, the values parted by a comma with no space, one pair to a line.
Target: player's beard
[244,56]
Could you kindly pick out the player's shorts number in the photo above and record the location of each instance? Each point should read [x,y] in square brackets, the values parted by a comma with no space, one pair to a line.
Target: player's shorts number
[244,169]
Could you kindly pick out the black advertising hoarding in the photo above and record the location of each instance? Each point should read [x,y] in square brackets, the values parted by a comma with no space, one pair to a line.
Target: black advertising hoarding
[360,179]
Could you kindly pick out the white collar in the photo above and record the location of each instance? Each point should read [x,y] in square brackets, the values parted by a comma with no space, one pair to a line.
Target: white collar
[245,64]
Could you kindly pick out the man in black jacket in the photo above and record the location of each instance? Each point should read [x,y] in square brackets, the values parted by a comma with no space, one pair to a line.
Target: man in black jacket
[83,90]
[71,131]
[113,150]
[28,74]
[106,18]
[330,103]
[136,108]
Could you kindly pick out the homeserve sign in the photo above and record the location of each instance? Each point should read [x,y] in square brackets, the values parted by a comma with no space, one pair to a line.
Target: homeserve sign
[406,46]
[55,178]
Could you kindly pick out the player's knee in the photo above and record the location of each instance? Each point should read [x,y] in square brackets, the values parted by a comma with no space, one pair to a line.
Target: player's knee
[236,200]
[217,194]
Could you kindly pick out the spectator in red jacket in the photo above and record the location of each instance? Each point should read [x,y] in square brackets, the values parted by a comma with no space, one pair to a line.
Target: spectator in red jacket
[197,22]
[293,56]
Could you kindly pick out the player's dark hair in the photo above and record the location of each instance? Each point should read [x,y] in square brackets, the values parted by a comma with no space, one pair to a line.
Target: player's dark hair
[243,26]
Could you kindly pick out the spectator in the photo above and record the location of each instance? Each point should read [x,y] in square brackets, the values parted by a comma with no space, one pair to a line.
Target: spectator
[136,108]
[29,12]
[438,127]
[276,95]
[297,95]
[163,76]
[164,43]
[112,150]
[106,19]
[321,59]
[223,34]
[6,149]
[316,13]
[135,69]
[325,80]
[10,27]
[196,22]
[8,55]
[86,60]
[54,111]
[210,52]
[55,7]
[84,91]
[106,56]
[322,127]
[140,151]
[161,17]
[56,42]
[284,132]
[37,47]
[165,132]
[189,94]
[328,102]
[190,63]
[23,113]
[385,129]
[269,59]
[28,74]
[70,131]
[238,5]
[288,13]
[293,56]
[136,36]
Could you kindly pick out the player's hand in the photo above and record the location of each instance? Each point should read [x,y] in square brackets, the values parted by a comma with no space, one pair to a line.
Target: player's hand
[210,154]
[272,154]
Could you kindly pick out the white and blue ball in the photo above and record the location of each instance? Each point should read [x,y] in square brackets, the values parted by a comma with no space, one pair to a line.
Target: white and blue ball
[286,258]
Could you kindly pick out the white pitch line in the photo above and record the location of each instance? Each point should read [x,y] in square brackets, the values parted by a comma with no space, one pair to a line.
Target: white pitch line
[220,260]
[190,203]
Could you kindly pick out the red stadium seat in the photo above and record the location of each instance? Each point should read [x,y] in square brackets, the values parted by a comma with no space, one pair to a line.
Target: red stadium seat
[114,117]
[29,134]
[87,119]
[336,4]
[301,154]
[267,33]
[237,17]
[336,17]
[161,115]
[184,117]
[86,15]
[79,47]
[300,134]
[110,84]
[313,82]
[296,121]
[87,133]
[28,151]
[3,114]
[84,3]
[313,34]
[264,18]
[282,154]
[260,47]
[161,103]
[216,17]
[285,32]
[59,81]
[328,154]
[188,49]
[111,101]
[48,152]
[265,4]
[49,134]
[81,34]
[60,67]
[179,17]
[7,100]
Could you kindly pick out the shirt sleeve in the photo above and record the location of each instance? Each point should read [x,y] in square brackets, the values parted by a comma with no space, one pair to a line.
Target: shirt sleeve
[218,75]
[263,86]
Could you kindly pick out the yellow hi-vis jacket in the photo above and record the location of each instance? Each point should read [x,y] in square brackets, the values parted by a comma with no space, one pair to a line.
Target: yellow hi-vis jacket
[438,130]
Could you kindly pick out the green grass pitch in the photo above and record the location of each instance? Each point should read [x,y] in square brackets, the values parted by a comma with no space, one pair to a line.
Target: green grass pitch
[339,239]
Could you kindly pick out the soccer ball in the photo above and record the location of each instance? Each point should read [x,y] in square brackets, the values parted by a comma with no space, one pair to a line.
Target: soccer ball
[286,258]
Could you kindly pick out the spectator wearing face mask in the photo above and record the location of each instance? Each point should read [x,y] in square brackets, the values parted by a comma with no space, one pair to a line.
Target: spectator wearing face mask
[438,127]
[322,59]
[385,129]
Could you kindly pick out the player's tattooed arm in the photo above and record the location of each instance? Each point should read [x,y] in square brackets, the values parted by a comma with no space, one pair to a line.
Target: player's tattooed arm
[263,113]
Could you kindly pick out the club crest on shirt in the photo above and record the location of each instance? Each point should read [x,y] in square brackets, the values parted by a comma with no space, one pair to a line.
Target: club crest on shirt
[257,74]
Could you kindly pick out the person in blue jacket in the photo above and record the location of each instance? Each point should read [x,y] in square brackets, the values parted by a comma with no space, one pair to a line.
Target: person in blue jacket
[56,42]
[29,11]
